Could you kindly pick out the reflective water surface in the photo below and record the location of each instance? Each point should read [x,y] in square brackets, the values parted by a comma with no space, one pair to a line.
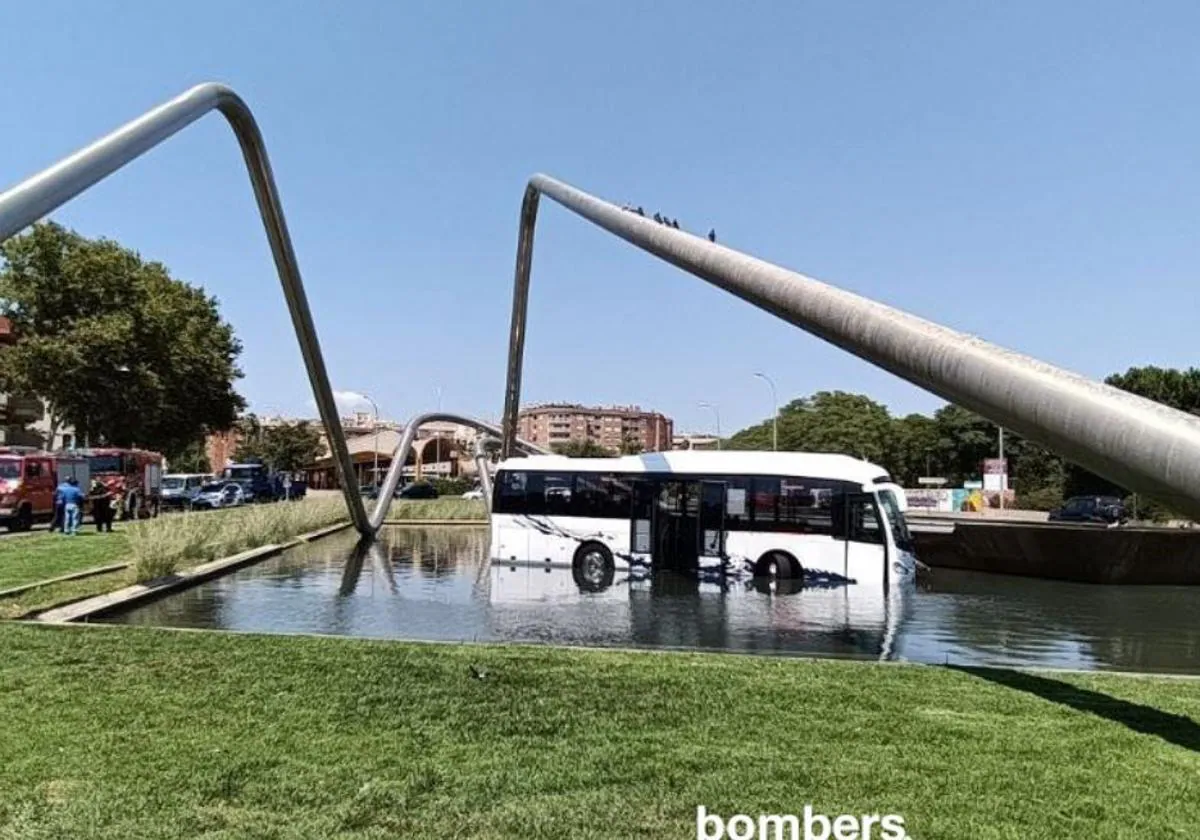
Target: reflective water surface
[435,584]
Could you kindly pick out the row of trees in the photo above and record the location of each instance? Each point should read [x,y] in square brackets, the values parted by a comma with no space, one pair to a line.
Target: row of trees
[591,449]
[115,346]
[954,442]
[282,446]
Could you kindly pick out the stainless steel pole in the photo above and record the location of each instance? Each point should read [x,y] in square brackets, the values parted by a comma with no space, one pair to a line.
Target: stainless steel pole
[1135,442]
[775,415]
[38,196]
[716,412]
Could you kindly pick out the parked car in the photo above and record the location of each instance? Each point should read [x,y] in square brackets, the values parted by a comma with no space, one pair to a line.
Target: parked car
[477,493]
[219,494]
[418,490]
[1099,509]
[179,488]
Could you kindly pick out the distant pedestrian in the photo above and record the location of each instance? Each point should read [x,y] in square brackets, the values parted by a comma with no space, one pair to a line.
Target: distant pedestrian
[640,211]
[658,218]
[102,506]
[712,235]
[72,500]
[675,224]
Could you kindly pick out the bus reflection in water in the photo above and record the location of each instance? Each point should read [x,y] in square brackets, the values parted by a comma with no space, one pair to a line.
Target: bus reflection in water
[666,609]
[819,518]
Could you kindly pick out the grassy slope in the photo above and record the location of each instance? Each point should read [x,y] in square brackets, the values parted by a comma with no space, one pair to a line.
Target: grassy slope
[39,556]
[145,733]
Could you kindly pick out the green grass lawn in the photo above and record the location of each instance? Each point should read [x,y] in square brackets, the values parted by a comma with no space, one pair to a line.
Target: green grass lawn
[121,732]
[35,557]
[447,507]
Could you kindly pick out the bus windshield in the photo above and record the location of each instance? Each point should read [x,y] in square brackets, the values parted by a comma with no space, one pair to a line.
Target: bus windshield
[895,518]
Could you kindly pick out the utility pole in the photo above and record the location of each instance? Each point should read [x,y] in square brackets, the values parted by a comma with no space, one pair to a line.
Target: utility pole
[716,412]
[375,472]
[775,412]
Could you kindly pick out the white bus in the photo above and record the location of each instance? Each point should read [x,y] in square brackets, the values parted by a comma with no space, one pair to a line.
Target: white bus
[824,518]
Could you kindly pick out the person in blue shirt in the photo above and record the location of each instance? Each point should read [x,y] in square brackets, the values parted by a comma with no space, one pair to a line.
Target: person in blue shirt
[71,498]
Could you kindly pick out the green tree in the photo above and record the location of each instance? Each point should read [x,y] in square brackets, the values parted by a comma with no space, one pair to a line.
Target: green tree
[631,446]
[191,459]
[913,450]
[828,421]
[287,446]
[115,346]
[581,449]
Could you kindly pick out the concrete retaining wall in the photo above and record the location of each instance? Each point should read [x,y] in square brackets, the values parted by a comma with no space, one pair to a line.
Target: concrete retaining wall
[1065,552]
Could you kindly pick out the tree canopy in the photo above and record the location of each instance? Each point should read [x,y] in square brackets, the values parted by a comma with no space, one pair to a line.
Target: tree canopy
[115,345]
[285,446]
[581,449]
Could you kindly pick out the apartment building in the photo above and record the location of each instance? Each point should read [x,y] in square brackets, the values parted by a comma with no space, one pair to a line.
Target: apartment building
[616,428]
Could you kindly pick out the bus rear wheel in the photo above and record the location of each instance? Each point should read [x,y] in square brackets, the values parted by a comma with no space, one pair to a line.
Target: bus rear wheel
[593,567]
[779,565]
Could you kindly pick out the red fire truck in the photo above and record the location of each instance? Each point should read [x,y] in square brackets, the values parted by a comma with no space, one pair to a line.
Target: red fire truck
[133,475]
[28,478]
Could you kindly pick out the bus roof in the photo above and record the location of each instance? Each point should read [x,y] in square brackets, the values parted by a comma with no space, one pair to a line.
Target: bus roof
[710,462]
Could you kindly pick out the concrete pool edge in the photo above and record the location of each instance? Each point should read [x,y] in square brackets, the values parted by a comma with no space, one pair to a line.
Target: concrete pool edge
[130,595]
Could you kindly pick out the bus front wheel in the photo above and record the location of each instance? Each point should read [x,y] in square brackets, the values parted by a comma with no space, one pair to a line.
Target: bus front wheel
[778,564]
[593,567]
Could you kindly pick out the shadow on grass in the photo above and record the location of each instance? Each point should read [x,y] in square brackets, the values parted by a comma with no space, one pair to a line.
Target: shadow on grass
[1176,729]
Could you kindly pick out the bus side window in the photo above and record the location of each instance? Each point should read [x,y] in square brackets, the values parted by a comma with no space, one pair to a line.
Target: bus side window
[510,495]
[737,507]
[764,503]
[589,496]
[618,497]
[558,493]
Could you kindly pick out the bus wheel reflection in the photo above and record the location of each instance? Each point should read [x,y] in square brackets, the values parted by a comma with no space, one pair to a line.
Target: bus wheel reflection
[777,586]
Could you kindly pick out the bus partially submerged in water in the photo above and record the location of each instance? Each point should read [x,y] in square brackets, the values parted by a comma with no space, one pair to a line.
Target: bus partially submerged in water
[819,517]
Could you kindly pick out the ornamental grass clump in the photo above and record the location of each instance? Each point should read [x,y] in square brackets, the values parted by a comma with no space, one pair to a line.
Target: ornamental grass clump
[160,547]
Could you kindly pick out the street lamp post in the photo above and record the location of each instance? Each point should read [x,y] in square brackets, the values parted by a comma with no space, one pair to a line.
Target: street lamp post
[775,412]
[716,412]
[375,470]
[438,441]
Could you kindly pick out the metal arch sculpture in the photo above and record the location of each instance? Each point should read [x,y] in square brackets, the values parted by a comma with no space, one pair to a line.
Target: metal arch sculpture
[1135,442]
[388,490]
[35,197]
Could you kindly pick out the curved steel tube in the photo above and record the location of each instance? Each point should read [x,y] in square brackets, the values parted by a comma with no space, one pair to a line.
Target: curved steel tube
[388,490]
[482,463]
[1140,444]
[39,195]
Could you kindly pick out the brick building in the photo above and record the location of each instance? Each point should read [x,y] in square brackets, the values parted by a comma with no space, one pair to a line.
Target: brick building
[615,428]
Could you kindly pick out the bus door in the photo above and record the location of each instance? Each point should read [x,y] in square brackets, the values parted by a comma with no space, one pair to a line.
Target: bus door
[859,525]
[642,520]
[710,524]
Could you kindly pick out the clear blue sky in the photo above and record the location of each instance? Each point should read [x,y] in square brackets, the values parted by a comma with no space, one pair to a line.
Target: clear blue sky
[1025,172]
